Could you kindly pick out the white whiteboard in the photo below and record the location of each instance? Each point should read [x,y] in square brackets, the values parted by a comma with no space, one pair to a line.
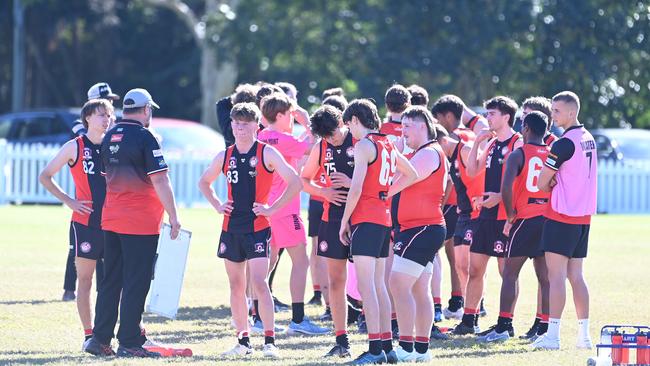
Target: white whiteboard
[168,273]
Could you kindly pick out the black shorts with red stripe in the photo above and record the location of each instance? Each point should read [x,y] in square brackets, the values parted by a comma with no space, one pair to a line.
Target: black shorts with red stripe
[526,238]
[419,244]
[242,247]
[465,230]
[86,241]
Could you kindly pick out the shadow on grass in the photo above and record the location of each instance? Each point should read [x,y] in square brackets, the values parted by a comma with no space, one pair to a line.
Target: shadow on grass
[33,357]
[30,302]
[202,313]
[471,348]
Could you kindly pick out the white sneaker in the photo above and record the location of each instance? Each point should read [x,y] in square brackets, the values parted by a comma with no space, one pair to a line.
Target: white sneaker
[458,314]
[422,357]
[271,351]
[403,356]
[544,342]
[238,351]
[584,343]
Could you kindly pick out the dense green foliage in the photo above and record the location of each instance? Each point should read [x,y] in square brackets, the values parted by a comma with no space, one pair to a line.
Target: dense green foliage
[472,48]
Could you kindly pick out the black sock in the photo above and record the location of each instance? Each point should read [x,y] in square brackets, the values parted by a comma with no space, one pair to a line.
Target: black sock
[406,346]
[343,340]
[503,324]
[387,345]
[437,307]
[256,305]
[476,316]
[468,320]
[317,294]
[482,307]
[421,347]
[297,312]
[87,337]
[393,324]
[536,322]
[269,340]
[375,346]
[455,303]
[543,328]
[245,341]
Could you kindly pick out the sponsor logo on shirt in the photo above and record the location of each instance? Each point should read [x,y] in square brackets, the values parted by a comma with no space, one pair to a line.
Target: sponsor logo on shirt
[350,152]
[253,161]
[232,163]
[88,154]
[116,137]
[114,149]
[157,153]
[161,163]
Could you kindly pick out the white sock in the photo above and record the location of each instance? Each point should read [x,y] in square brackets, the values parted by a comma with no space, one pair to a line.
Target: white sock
[553,329]
[583,328]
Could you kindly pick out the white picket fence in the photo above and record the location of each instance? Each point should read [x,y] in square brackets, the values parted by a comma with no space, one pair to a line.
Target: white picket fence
[621,188]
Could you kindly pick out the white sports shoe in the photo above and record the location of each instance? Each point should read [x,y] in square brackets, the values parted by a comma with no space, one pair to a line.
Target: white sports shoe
[422,357]
[458,314]
[584,343]
[403,356]
[238,351]
[271,351]
[544,342]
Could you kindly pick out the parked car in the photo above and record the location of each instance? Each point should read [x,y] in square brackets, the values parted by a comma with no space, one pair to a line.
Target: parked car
[54,126]
[622,144]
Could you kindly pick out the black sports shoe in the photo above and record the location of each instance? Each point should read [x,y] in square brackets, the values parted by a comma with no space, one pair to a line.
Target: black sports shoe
[136,352]
[279,305]
[437,334]
[327,315]
[462,329]
[532,331]
[391,357]
[511,331]
[315,300]
[68,296]
[338,351]
[94,347]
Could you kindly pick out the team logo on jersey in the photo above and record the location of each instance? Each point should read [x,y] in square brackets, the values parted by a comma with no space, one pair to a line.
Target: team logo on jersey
[253,161]
[157,153]
[259,247]
[161,162]
[397,246]
[232,163]
[222,248]
[116,137]
[88,153]
[469,236]
[252,173]
[499,247]
[323,246]
[504,150]
[328,155]
[114,149]
[350,152]
[85,247]
[120,129]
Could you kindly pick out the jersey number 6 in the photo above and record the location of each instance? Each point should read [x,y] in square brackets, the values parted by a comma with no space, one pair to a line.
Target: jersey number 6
[535,165]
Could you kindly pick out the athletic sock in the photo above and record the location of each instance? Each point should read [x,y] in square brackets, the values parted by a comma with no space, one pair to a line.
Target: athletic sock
[374,343]
[88,333]
[387,341]
[468,317]
[421,344]
[504,322]
[456,301]
[583,328]
[317,291]
[553,329]
[437,301]
[406,342]
[342,338]
[256,308]
[543,324]
[297,312]
[244,339]
[269,337]
[393,321]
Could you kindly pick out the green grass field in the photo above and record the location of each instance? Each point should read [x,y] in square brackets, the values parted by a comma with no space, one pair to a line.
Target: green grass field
[37,328]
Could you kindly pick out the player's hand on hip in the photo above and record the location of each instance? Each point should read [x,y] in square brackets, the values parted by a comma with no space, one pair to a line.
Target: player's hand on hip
[340,180]
[344,233]
[260,209]
[491,199]
[225,208]
[176,227]
[81,207]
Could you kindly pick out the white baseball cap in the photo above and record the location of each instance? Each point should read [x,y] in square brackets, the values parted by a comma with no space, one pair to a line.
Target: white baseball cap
[101,91]
[138,97]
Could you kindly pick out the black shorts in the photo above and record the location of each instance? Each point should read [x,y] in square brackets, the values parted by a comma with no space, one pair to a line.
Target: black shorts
[314,214]
[86,241]
[569,240]
[451,217]
[242,247]
[465,230]
[419,244]
[489,238]
[370,240]
[329,243]
[526,238]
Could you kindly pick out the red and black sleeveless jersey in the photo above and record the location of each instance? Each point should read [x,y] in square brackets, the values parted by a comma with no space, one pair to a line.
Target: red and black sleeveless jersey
[465,135]
[549,139]
[420,204]
[89,184]
[321,182]
[466,187]
[336,159]
[528,199]
[373,206]
[391,128]
[498,153]
[472,122]
[248,180]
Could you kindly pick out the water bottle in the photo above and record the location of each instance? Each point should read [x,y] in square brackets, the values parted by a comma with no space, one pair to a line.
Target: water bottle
[605,339]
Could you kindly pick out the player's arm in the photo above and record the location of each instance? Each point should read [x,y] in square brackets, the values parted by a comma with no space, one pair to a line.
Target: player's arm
[309,172]
[480,125]
[561,151]
[477,157]
[447,194]
[423,163]
[513,168]
[67,154]
[364,152]
[205,184]
[275,162]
